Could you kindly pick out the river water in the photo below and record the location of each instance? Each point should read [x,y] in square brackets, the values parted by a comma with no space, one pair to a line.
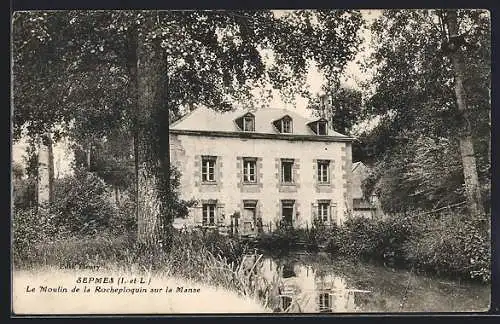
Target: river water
[313,283]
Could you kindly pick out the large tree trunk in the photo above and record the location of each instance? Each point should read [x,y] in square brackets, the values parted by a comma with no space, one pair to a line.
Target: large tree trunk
[151,131]
[472,187]
[45,172]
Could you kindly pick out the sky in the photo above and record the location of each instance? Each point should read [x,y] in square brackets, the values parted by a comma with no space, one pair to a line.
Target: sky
[351,78]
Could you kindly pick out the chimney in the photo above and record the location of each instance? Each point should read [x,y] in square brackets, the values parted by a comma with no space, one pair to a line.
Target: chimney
[323,103]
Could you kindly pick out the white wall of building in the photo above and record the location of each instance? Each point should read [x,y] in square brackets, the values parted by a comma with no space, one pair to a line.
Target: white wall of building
[187,149]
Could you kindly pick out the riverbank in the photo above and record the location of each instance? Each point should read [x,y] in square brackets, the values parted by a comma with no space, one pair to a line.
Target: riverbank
[450,245]
[213,264]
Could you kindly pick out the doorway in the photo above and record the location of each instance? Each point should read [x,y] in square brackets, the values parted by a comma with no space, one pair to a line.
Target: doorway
[249,217]
[287,212]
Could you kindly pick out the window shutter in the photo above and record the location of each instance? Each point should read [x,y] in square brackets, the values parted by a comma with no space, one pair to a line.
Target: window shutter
[314,212]
[333,213]
[198,215]
[219,214]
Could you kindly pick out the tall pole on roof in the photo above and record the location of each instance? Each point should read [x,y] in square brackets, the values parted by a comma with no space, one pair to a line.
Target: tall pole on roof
[323,101]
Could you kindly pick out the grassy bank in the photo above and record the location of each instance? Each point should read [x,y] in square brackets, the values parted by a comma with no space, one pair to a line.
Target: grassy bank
[207,259]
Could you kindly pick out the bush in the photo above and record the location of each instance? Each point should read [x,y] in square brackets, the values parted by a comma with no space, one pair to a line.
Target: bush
[286,238]
[440,243]
[360,238]
[451,244]
[24,193]
[81,203]
[124,220]
[327,237]
[477,242]
[375,239]
[29,228]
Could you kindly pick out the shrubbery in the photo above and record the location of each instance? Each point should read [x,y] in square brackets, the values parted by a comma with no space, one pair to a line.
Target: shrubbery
[327,237]
[81,207]
[446,243]
[24,193]
[451,245]
[81,203]
[369,238]
[29,228]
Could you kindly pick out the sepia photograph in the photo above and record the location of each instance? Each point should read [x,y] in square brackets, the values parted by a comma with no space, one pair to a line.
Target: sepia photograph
[264,161]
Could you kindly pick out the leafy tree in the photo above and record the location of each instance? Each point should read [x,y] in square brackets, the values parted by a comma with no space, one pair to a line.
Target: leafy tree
[414,98]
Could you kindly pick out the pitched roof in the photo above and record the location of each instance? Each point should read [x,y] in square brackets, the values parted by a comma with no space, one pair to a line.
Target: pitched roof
[205,119]
[355,165]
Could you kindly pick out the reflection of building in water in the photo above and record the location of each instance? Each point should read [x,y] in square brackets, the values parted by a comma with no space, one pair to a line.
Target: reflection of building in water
[310,292]
[269,270]
[333,294]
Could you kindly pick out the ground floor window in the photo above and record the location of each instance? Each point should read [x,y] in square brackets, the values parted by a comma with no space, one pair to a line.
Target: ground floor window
[249,216]
[208,214]
[287,211]
[324,211]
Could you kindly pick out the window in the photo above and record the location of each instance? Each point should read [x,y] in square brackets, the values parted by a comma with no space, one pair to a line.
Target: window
[286,125]
[287,211]
[208,168]
[323,171]
[287,171]
[321,128]
[249,170]
[250,206]
[324,211]
[208,214]
[248,123]
[325,304]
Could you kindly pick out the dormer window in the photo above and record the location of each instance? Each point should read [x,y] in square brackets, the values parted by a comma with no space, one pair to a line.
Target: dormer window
[284,125]
[319,127]
[246,123]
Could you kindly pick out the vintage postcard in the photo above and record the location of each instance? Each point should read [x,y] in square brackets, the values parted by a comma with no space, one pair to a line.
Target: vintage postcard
[251,161]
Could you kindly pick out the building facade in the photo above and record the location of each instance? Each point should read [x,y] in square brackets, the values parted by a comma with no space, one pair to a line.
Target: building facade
[255,170]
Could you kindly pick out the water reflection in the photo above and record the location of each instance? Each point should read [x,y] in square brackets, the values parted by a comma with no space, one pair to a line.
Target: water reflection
[303,289]
[313,284]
